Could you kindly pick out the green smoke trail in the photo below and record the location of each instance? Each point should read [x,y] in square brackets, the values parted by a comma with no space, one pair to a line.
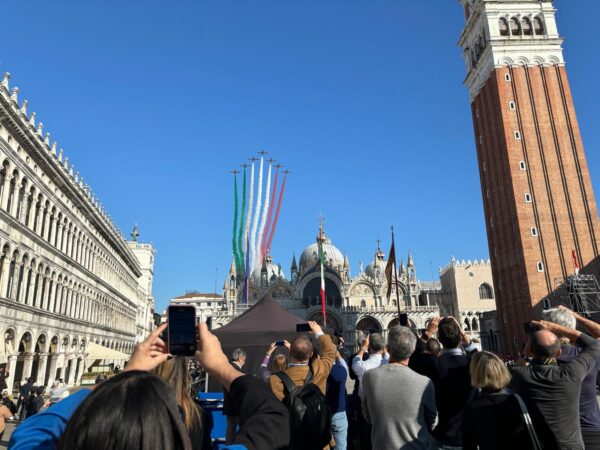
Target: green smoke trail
[240,254]
[234,242]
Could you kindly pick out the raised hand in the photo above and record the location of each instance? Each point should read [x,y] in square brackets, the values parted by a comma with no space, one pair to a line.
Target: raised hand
[211,357]
[432,327]
[315,328]
[150,353]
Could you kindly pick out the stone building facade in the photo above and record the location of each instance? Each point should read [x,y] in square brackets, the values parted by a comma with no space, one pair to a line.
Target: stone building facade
[468,294]
[67,275]
[539,204]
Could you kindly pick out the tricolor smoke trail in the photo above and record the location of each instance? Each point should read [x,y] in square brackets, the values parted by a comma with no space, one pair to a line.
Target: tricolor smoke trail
[255,219]
[240,249]
[248,216]
[276,219]
[265,236]
[263,221]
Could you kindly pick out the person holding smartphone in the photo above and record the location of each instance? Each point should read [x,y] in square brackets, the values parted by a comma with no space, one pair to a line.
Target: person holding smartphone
[273,365]
[80,421]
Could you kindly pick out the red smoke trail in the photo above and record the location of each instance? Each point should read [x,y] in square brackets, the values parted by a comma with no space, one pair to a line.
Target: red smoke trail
[276,213]
[263,249]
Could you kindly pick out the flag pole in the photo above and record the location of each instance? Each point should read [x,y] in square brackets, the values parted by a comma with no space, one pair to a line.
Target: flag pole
[320,240]
[396,276]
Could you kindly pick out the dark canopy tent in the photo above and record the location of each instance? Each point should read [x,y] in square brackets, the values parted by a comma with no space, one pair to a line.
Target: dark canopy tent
[265,322]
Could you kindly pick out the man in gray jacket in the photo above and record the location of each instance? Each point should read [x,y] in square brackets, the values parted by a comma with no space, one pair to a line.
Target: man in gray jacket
[398,402]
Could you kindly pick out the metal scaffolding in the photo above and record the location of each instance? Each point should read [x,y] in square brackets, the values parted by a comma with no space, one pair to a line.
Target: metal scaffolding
[581,291]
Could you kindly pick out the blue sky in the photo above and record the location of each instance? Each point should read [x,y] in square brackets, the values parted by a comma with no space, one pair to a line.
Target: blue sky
[155,102]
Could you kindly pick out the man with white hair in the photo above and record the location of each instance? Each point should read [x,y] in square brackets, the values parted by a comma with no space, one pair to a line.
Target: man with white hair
[589,412]
[551,390]
[397,401]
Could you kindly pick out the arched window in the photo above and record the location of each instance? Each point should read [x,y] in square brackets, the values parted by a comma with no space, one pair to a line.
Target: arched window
[30,200]
[538,25]
[503,26]
[486,292]
[363,304]
[12,192]
[515,27]
[527,28]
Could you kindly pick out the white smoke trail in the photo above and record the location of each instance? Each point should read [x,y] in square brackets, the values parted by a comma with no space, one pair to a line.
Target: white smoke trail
[263,222]
[254,229]
[249,215]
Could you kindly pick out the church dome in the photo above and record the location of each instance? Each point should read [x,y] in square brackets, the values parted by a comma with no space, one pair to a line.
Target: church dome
[379,263]
[370,270]
[274,271]
[310,256]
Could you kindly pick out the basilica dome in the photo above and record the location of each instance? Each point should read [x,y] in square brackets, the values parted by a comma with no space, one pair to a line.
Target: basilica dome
[378,263]
[272,270]
[310,256]
[370,270]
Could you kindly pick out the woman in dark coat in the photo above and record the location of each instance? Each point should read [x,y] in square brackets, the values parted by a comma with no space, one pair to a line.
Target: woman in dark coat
[494,419]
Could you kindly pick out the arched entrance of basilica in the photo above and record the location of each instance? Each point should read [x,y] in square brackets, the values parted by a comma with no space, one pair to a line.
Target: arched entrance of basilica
[332,321]
[311,296]
[369,325]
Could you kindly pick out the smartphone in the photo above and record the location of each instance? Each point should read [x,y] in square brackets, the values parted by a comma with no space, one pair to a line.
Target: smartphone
[280,344]
[403,319]
[302,328]
[181,331]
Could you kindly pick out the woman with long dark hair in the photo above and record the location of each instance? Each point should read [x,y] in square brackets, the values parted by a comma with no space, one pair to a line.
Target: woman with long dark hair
[110,417]
[175,372]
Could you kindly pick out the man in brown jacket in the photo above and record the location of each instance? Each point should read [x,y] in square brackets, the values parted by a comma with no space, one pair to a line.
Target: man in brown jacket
[301,352]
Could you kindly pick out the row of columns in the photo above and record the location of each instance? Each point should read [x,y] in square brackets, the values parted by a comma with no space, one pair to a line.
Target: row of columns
[37,289]
[57,361]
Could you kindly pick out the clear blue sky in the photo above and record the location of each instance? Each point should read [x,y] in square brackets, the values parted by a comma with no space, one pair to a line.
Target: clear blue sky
[156,101]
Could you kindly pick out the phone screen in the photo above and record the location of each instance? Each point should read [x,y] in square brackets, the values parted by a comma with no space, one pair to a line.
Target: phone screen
[182,330]
[302,327]
[279,343]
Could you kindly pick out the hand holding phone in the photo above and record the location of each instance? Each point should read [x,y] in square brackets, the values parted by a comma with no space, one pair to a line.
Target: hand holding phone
[302,328]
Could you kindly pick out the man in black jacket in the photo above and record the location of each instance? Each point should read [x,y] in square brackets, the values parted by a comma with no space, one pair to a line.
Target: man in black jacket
[23,395]
[551,390]
[450,376]
[238,359]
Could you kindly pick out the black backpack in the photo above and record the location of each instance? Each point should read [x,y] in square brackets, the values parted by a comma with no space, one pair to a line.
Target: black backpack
[309,413]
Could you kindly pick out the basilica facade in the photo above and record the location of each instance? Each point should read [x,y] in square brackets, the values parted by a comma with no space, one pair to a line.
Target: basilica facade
[354,303]
[68,277]
[359,303]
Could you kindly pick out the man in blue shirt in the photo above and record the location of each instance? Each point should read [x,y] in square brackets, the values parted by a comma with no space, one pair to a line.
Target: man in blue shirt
[336,400]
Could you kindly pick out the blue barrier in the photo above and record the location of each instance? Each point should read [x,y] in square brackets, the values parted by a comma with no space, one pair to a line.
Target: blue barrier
[212,404]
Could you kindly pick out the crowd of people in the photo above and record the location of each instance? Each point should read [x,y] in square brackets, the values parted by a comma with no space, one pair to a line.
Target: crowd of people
[433,390]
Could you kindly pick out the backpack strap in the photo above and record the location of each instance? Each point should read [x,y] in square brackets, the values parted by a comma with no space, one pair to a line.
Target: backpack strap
[289,385]
[287,382]
[528,423]
[309,376]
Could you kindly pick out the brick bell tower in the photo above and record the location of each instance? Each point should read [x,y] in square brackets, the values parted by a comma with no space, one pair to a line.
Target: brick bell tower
[538,199]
